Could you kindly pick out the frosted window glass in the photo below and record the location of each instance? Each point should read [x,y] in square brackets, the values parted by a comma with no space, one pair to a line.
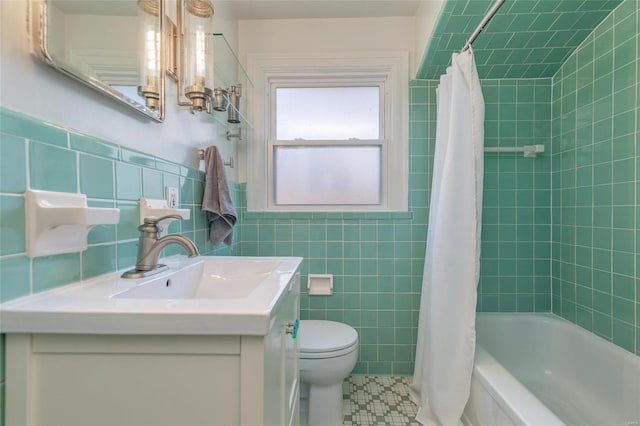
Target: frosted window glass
[327,175]
[327,113]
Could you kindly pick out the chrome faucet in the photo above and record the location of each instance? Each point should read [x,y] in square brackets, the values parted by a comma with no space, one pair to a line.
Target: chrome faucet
[150,246]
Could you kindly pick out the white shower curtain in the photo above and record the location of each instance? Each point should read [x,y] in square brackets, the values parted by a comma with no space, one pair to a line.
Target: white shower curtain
[446,327]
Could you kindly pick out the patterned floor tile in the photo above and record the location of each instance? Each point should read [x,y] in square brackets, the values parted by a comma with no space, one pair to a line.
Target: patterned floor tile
[378,401]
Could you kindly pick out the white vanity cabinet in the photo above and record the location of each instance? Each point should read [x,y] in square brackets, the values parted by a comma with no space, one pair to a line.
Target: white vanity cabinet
[180,379]
[271,375]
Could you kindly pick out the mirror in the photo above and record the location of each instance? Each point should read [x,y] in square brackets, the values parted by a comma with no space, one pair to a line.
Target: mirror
[107,45]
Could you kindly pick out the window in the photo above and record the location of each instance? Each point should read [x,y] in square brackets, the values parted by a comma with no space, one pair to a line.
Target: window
[326,142]
[332,139]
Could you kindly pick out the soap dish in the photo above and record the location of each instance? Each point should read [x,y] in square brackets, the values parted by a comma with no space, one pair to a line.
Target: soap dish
[59,222]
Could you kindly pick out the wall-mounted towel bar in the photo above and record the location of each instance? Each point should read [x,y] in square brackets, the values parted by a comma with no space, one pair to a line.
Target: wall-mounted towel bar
[229,163]
[529,151]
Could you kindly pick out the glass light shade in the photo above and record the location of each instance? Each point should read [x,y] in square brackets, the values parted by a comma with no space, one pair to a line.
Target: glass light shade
[149,42]
[197,75]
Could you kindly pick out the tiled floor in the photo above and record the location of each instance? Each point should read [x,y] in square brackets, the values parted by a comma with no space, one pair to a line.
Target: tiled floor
[378,401]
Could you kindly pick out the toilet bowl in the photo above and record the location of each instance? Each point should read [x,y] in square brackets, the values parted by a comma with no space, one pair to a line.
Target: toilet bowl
[328,353]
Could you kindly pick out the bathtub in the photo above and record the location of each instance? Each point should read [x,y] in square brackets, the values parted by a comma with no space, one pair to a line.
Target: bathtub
[538,369]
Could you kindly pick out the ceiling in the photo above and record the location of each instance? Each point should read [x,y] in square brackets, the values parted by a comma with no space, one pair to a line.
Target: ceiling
[310,9]
[525,39]
[264,9]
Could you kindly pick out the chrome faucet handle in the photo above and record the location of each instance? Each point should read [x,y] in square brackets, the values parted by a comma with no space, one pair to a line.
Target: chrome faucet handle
[152,224]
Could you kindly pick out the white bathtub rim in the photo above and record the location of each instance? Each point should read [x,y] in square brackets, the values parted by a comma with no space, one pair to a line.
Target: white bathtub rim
[551,317]
[519,404]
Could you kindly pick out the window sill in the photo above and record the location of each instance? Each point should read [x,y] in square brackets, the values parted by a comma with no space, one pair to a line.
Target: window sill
[328,215]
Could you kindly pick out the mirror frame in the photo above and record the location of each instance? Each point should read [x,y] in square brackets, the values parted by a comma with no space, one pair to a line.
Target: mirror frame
[38,34]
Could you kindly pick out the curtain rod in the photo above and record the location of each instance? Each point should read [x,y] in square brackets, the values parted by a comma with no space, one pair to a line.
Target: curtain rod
[483,24]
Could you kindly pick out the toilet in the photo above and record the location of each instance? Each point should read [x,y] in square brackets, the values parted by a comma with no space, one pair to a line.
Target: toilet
[328,353]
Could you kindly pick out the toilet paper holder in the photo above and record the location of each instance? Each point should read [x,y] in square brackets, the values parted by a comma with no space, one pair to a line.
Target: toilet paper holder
[320,284]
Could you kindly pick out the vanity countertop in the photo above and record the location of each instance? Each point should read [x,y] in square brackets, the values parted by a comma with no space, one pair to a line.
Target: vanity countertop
[205,295]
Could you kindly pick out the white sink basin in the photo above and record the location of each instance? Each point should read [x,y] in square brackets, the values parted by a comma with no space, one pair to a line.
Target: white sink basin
[202,295]
[214,278]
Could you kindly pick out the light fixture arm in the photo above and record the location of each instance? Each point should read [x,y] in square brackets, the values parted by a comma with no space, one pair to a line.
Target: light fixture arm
[235,135]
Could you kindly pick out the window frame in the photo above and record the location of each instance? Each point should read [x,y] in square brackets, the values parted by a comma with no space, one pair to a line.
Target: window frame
[389,71]
[273,142]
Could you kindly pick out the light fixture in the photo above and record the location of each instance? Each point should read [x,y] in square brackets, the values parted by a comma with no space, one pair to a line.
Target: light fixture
[195,58]
[149,41]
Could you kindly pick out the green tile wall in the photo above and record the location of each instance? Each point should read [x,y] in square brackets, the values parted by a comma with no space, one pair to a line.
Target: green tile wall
[39,155]
[515,251]
[596,112]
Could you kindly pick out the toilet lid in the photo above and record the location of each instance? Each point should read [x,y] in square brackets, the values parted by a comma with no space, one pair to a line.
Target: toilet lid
[325,336]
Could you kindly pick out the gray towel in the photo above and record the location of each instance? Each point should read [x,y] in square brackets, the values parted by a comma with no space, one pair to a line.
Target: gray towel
[216,202]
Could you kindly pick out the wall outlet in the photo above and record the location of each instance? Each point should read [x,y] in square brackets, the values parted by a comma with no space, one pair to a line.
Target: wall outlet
[171,195]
